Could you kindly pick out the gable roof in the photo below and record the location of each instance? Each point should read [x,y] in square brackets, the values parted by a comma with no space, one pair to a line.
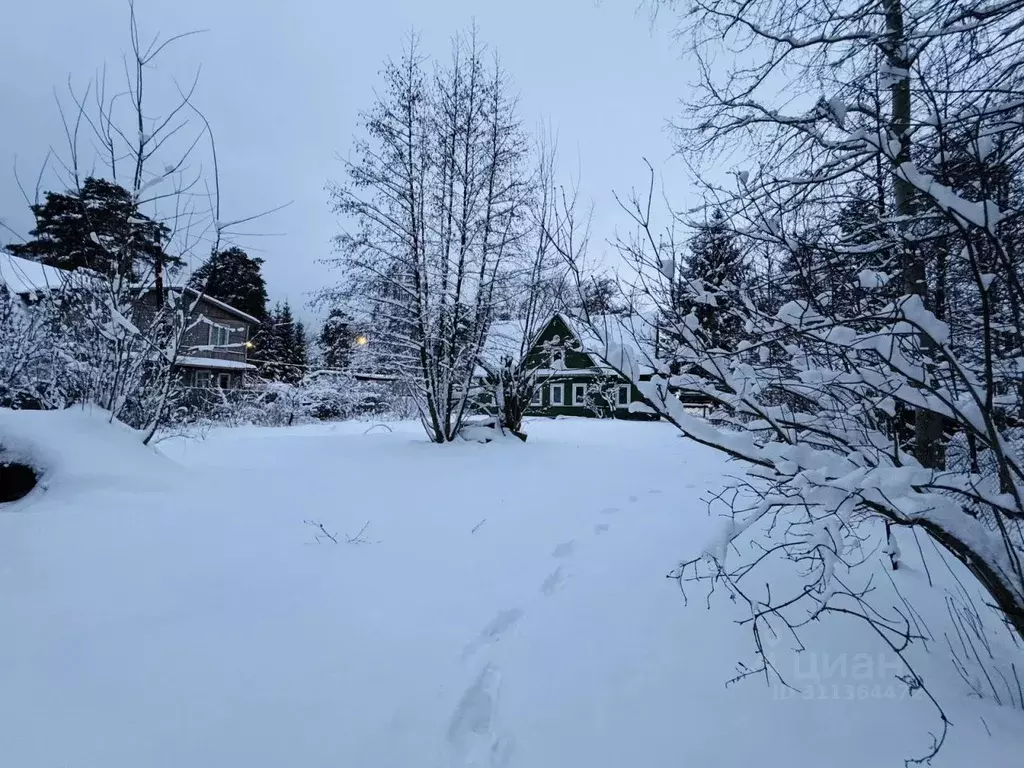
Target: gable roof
[506,338]
[23,277]
[216,302]
[621,342]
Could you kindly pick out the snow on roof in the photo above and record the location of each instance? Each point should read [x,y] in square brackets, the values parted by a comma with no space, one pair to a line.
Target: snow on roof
[504,339]
[613,340]
[622,342]
[217,303]
[22,276]
[214,363]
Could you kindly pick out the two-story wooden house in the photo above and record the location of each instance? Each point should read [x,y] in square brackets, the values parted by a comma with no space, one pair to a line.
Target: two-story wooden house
[214,351]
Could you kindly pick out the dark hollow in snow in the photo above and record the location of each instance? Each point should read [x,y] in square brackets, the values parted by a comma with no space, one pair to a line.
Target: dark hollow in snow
[16,480]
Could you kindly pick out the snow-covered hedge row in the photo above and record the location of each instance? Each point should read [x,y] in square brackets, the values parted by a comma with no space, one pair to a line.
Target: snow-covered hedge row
[321,395]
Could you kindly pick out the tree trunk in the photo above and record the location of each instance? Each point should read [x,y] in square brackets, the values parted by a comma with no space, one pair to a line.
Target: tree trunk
[928,448]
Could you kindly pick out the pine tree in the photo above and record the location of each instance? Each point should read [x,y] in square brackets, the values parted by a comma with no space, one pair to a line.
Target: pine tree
[235,277]
[336,340]
[100,228]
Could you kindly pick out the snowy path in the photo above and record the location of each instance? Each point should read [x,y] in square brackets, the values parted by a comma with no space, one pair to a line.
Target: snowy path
[508,608]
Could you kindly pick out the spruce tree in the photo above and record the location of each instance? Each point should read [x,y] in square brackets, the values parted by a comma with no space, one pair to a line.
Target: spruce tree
[825,266]
[336,340]
[284,330]
[298,352]
[864,245]
[268,345]
[281,346]
[235,277]
[718,264]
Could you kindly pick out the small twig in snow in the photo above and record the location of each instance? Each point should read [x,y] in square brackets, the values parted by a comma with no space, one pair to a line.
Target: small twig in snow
[477,526]
[323,531]
[358,538]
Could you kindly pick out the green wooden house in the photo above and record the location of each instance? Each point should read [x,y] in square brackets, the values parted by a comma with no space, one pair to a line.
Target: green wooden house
[571,364]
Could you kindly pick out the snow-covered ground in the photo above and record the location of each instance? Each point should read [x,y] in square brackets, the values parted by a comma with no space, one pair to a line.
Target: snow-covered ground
[506,605]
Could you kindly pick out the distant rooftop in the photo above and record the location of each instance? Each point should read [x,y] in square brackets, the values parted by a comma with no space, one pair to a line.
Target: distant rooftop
[22,276]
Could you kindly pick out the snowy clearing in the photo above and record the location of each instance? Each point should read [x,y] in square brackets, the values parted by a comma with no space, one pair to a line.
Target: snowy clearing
[505,605]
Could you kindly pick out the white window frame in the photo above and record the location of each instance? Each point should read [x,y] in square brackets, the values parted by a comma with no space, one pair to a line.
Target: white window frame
[214,335]
[618,396]
[579,389]
[561,394]
[536,398]
[207,376]
[221,378]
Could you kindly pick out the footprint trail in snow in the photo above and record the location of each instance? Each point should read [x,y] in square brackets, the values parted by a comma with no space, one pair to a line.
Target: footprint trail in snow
[472,737]
[553,582]
[564,549]
[502,622]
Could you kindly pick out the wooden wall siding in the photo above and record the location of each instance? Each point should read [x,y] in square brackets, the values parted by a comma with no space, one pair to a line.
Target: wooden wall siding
[574,360]
[537,357]
[200,334]
[569,408]
[188,377]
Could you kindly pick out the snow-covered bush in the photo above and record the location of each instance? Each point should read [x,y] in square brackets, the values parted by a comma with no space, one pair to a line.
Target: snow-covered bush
[318,396]
[29,360]
[333,395]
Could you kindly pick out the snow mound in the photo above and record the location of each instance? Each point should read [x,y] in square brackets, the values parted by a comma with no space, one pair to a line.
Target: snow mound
[80,448]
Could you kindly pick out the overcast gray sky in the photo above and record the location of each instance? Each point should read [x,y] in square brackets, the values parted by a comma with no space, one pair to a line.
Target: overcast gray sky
[282,84]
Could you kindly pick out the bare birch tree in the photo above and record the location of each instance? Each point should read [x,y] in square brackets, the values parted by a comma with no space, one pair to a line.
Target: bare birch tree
[436,196]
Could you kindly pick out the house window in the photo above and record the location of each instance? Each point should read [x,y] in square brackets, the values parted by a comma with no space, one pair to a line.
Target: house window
[535,397]
[556,394]
[224,380]
[623,395]
[201,378]
[219,336]
[579,394]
